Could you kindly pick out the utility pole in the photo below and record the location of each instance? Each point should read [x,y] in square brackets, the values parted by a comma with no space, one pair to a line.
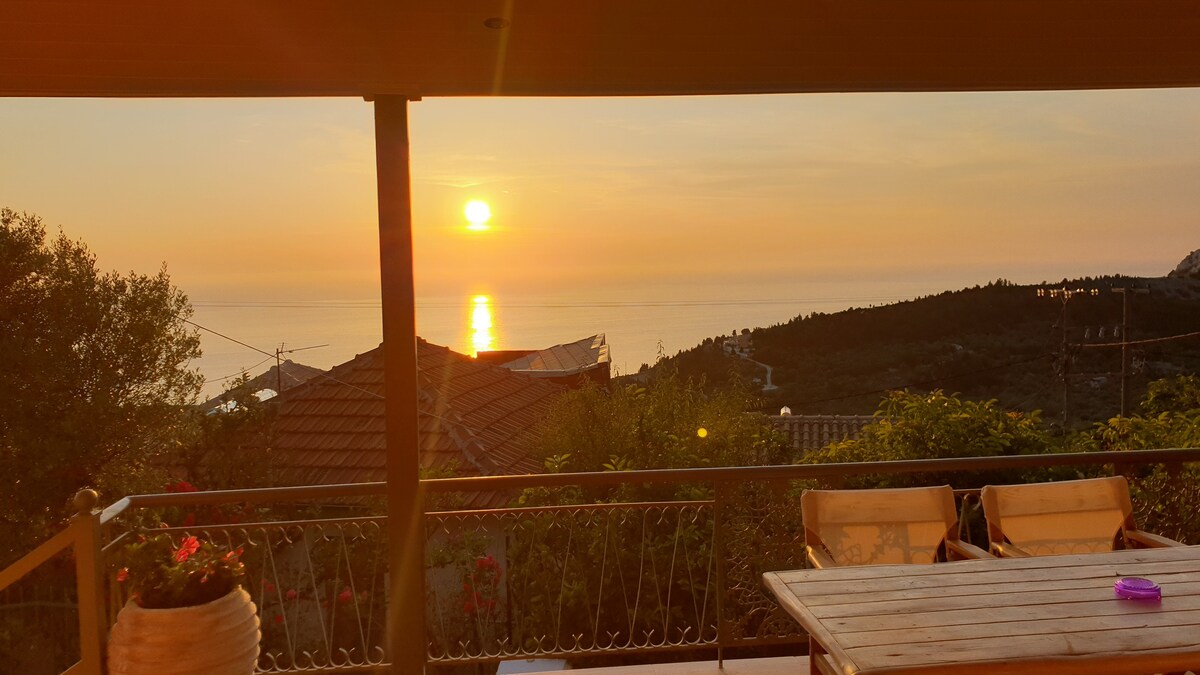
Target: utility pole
[1065,294]
[1125,343]
[280,351]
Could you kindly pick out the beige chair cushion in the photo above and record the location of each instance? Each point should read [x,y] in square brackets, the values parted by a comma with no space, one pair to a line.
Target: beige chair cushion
[1077,516]
[874,527]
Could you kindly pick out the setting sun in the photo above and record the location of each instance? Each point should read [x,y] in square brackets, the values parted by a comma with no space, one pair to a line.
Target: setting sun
[478,214]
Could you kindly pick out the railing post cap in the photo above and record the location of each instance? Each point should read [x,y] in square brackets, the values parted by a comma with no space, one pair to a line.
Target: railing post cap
[86,500]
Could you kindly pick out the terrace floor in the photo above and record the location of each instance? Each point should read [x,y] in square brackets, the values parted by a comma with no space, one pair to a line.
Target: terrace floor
[780,665]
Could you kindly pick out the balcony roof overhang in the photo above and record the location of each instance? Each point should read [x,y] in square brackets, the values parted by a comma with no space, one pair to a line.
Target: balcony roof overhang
[427,48]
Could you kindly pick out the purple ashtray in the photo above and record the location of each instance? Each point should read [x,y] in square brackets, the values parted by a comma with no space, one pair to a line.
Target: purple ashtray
[1137,588]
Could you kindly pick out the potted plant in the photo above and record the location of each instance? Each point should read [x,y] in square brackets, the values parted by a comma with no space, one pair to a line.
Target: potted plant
[187,611]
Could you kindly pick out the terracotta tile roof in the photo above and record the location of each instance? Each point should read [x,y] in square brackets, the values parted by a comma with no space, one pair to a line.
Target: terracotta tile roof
[590,352]
[474,417]
[814,432]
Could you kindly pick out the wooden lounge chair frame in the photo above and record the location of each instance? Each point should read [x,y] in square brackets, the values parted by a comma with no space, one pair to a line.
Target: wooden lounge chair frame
[865,527]
[1074,516]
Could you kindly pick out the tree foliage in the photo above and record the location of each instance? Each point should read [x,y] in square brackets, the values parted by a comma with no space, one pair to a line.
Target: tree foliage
[93,375]
[939,425]
[1172,394]
[230,446]
[928,426]
[1167,498]
[669,422]
[1000,341]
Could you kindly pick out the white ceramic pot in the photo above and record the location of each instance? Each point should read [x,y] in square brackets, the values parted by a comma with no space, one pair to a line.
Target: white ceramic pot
[217,638]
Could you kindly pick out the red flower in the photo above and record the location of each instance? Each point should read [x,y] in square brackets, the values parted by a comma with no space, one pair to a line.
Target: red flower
[187,547]
[488,564]
[181,486]
[291,594]
[190,520]
[468,607]
[122,574]
[268,587]
[345,596]
[278,618]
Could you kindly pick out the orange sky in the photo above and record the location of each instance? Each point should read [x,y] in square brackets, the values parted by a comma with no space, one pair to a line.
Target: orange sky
[644,198]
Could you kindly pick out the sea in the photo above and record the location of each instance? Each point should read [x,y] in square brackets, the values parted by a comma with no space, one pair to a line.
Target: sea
[249,335]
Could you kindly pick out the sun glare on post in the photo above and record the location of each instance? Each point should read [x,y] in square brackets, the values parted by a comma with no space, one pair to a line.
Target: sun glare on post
[478,214]
[482,336]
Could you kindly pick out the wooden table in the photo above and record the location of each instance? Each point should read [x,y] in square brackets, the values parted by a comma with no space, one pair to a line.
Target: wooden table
[1023,615]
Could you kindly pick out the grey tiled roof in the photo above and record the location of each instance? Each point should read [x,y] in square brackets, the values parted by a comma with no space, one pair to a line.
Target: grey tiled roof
[570,358]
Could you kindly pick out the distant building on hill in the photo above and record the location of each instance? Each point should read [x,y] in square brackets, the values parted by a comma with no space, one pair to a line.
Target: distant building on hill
[813,432]
[739,344]
[569,364]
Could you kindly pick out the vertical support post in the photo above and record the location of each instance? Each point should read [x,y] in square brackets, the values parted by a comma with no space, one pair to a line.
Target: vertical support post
[721,487]
[1125,344]
[89,583]
[1124,352]
[406,596]
[1066,366]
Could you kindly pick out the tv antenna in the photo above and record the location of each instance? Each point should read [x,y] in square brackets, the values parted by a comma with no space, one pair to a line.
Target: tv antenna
[279,352]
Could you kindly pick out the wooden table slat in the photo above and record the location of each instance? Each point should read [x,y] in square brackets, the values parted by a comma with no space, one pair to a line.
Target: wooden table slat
[1096,644]
[1062,612]
[1012,598]
[952,578]
[1002,616]
[869,638]
[870,592]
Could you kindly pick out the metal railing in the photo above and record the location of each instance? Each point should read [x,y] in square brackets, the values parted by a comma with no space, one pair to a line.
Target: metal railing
[603,564]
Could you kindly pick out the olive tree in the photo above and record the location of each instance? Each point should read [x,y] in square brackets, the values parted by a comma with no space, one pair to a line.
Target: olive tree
[94,377]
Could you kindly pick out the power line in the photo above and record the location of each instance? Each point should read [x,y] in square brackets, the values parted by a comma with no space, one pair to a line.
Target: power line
[222,335]
[252,347]
[1131,343]
[237,374]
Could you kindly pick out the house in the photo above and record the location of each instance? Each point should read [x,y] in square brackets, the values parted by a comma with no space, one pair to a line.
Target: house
[571,364]
[475,419]
[276,379]
[813,432]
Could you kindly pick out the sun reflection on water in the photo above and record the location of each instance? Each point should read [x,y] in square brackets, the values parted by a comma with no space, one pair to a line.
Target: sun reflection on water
[482,336]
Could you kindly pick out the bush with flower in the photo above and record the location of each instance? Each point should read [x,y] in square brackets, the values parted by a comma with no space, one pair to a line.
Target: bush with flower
[163,572]
[481,588]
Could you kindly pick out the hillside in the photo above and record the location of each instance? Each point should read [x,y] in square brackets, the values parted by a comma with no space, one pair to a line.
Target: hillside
[998,341]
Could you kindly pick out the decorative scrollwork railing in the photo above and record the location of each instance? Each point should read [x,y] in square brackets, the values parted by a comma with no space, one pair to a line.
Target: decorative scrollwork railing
[318,585]
[657,560]
[564,580]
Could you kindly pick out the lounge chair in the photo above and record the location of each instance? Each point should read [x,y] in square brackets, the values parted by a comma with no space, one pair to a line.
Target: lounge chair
[874,527]
[1073,516]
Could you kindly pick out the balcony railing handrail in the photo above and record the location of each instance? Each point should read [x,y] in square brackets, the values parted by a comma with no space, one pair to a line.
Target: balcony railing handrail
[803,471]
[661,476]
